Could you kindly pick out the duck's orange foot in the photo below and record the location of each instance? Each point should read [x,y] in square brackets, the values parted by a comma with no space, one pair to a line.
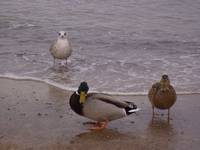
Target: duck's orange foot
[90,123]
[99,125]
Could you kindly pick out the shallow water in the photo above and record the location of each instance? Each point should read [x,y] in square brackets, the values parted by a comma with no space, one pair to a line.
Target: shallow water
[118,46]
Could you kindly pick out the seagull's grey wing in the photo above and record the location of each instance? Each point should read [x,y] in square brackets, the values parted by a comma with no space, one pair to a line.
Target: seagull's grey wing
[52,47]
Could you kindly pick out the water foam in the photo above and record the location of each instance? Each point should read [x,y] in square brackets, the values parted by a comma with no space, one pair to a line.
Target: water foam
[65,87]
[47,81]
[21,25]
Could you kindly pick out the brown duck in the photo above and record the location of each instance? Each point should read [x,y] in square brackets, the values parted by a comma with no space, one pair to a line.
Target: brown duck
[162,95]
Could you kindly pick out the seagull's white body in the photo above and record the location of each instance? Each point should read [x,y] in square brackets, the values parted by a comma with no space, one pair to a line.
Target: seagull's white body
[61,48]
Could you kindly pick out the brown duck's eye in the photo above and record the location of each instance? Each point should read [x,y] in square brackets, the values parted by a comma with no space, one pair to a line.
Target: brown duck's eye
[165,76]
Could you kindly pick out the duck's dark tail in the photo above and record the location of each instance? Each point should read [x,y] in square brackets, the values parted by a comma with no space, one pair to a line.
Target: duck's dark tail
[132,108]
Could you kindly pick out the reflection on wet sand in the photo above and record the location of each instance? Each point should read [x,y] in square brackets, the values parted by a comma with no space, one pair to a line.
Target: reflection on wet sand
[102,140]
[161,126]
[161,134]
[158,135]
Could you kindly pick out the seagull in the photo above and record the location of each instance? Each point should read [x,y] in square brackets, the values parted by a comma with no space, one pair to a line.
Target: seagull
[162,95]
[61,48]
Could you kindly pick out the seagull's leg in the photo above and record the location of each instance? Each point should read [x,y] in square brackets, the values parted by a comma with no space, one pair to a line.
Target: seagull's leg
[62,63]
[54,61]
[66,62]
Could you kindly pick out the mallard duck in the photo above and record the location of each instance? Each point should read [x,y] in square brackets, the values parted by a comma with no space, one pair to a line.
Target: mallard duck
[162,95]
[61,48]
[99,107]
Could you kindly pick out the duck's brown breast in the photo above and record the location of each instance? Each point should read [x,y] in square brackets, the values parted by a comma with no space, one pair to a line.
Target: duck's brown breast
[163,99]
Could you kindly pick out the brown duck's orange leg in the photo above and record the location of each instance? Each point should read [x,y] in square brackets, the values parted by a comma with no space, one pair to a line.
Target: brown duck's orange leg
[100,125]
[152,119]
[153,111]
[168,119]
[54,61]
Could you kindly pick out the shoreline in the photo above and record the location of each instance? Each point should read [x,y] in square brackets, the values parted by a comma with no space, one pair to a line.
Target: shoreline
[62,87]
[35,115]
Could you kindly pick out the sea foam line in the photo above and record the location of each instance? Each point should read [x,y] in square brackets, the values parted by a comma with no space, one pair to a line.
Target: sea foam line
[47,81]
[65,87]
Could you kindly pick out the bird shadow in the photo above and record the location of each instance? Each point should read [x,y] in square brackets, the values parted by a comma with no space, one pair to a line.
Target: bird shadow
[104,134]
[97,138]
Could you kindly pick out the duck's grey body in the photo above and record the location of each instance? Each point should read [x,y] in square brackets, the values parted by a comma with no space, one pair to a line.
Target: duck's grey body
[101,107]
[61,48]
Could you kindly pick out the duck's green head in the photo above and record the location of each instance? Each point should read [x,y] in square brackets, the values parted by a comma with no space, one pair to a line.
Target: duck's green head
[164,82]
[83,90]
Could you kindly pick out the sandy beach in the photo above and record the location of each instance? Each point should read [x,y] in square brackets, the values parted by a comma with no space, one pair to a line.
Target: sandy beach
[37,116]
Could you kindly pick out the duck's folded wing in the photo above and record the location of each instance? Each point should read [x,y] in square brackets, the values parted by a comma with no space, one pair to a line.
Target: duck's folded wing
[172,89]
[154,89]
[100,110]
[108,99]
[173,92]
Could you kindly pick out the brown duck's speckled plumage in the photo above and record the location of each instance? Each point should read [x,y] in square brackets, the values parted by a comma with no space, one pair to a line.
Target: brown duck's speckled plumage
[162,95]
[162,99]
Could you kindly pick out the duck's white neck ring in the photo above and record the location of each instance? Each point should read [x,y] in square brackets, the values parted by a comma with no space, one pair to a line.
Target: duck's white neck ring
[77,93]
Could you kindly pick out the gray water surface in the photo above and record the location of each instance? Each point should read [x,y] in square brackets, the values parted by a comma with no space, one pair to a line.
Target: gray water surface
[118,46]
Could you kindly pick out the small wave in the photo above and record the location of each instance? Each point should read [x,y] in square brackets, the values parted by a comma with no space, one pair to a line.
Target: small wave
[189,56]
[25,58]
[47,81]
[5,53]
[65,87]
[21,25]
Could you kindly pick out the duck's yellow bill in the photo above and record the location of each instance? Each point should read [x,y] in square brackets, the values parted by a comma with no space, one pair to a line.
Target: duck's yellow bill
[82,97]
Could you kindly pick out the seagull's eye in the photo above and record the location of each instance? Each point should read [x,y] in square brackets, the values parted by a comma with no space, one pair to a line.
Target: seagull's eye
[65,34]
[59,33]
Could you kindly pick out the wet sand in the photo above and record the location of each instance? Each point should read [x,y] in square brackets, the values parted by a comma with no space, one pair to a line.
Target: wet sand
[35,115]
